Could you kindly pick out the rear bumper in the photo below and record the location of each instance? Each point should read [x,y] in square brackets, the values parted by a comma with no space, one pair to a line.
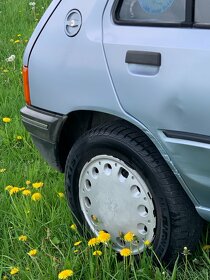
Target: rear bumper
[45,129]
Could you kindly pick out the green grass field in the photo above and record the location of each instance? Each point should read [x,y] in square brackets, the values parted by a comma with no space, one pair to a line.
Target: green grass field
[46,222]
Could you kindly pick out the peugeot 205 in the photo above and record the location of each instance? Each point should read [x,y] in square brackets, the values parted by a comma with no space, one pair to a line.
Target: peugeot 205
[117,97]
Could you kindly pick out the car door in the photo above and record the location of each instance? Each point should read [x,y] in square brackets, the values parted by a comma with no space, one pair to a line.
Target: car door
[159,63]
[158,55]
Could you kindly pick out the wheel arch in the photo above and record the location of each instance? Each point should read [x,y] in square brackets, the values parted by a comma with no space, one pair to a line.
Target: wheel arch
[79,122]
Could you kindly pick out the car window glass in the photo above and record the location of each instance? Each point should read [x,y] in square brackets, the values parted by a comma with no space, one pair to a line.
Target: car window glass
[202,11]
[153,11]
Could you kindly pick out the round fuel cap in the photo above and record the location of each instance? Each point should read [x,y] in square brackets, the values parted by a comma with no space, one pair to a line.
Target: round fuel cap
[73,23]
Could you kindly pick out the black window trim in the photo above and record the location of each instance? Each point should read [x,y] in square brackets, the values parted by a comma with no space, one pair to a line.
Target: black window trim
[189,17]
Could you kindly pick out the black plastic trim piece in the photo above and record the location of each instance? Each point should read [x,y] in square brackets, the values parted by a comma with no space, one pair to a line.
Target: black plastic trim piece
[187,136]
[42,124]
[143,57]
[116,17]
[45,128]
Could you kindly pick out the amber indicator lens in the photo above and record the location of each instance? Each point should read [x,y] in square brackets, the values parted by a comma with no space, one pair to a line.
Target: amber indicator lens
[26,85]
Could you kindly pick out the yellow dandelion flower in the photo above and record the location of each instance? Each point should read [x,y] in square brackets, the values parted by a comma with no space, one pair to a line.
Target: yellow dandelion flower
[73,227]
[76,251]
[28,182]
[93,241]
[38,185]
[97,253]
[14,270]
[103,236]
[32,253]
[19,138]
[125,252]
[206,247]
[60,194]
[77,243]
[8,188]
[19,35]
[14,190]
[26,41]
[22,189]
[2,170]
[26,192]
[147,243]
[5,277]
[6,119]
[65,274]
[128,237]
[23,238]
[36,196]
[17,41]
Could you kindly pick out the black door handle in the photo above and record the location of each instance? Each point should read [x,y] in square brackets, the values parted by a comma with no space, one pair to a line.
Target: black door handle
[142,57]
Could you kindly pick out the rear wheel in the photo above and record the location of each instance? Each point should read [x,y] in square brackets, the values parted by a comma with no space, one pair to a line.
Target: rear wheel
[117,181]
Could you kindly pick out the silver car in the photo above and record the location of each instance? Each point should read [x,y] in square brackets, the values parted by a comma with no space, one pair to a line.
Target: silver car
[118,98]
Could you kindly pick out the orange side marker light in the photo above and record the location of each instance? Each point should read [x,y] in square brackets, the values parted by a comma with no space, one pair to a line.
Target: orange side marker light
[26,85]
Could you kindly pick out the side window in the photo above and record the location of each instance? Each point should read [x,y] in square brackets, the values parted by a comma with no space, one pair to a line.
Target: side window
[202,12]
[153,12]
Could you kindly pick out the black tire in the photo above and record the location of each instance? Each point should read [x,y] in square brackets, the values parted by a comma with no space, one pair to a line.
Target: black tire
[177,222]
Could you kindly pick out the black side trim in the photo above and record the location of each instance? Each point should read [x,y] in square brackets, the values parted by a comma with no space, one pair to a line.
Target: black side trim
[187,136]
[143,57]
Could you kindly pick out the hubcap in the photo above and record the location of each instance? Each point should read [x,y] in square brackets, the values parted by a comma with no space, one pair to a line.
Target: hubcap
[116,199]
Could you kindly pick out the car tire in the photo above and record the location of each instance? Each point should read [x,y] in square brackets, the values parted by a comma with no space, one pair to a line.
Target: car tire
[117,181]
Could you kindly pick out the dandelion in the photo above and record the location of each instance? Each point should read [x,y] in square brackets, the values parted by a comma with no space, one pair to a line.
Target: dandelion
[103,236]
[19,35]
[23,238]
[2,170]
[73,227]
[93,241]
[19,138]
[6,119]
[65,274]
[147,243]
[26,192]
[8,188]
[32,4]
[186,251]
[97,253]
[36,196]
[38,185]
[14,190]
[5,277]
[32,253]
[26,41]
[11,58]
[77,243]
[128,237]
[14,270]
[125,252]
[60,194]
[28,182]
[17,41]
[76,251]
[206,247]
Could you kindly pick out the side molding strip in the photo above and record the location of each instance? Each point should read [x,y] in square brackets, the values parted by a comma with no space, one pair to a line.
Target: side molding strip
[187,136]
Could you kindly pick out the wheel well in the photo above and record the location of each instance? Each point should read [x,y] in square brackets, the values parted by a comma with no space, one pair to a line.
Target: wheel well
[77,124]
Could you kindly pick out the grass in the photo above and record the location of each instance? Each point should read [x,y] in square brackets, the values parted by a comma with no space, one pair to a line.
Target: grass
[47,222]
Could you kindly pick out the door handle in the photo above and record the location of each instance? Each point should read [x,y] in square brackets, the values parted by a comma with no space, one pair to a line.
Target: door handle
[143,57]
